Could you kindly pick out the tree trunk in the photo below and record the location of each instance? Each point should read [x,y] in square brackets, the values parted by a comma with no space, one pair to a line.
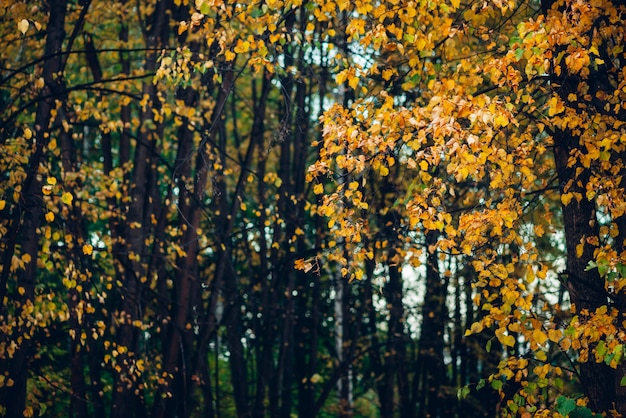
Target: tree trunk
[396,372]
[585,286]
[620,301]
[127,400]
[431,368]
[175,355]
[29,215]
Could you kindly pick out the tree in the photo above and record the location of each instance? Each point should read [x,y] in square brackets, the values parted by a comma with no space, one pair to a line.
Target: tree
[475,94]
[152,199]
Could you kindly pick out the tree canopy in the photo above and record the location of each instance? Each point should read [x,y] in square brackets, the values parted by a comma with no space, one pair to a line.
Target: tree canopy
[375,208]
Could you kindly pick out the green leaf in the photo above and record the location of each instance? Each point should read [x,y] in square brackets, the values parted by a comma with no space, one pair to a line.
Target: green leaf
[480,384]
[565,405]
[514,40]
[543,382]
[558,383]
[618,352]
[496,384]
[591,265]
[205,8]
[463,392]
[583,412]
[601,349]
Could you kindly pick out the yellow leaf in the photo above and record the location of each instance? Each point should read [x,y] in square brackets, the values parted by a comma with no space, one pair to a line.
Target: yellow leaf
[242,46]
[476,328]
[3,203]
[26,258]
[341,77]
[51,181]
[229,55]
[28,134]
[318,188]
[274,37]
[579,249]
[22,26]
[50,216]
[28,412]
[507,340]
[353,82]
[67,198]
[421,43]
[554,335]
[87,249]
[501,120]
[566,198]
[555,106]
[539,336]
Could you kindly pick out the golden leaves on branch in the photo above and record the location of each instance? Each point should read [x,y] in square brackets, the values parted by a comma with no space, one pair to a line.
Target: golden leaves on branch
[456,117]
[490,147]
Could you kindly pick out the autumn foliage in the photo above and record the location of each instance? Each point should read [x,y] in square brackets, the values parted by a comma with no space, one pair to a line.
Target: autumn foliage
[320,208]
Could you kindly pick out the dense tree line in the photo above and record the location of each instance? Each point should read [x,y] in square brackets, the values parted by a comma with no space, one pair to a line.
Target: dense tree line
[311,208]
